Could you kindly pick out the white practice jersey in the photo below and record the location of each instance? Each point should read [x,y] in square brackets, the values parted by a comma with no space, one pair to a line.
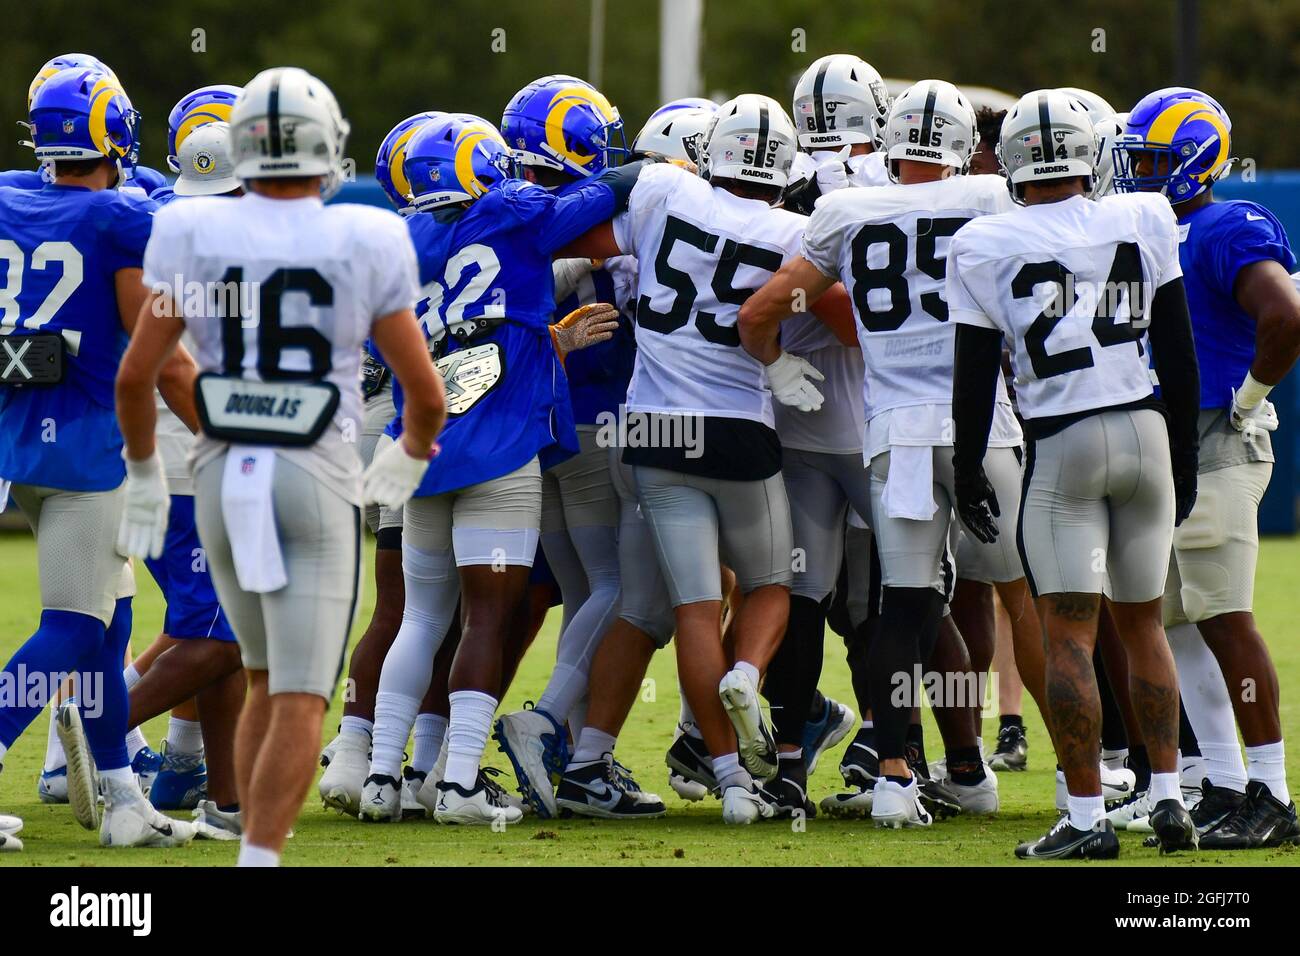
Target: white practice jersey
[315,277]
[702,251]
[889,247]
[1069,284]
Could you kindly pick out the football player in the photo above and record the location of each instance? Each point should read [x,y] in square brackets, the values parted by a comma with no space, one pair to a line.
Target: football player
[277,481]
[75,248]
[1075,285]
[1246,320]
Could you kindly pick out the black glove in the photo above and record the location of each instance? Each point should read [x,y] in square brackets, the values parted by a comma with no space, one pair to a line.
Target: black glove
[1185,468]
[977,505]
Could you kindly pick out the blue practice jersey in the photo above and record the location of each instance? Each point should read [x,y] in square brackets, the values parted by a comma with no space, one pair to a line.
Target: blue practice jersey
[64,245]
[1218,240]
[506,394]
[598,375]
[142,178]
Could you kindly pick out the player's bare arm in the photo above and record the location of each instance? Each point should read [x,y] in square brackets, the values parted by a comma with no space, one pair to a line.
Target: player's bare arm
[761,315]
[1268,293]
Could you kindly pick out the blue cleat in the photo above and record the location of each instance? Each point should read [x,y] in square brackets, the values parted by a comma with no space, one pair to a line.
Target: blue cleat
[182,781]
[820,735]
[145,765]
[52,787]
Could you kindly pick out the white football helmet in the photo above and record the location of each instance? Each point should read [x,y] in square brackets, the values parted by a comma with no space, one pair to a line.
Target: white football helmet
[750,139]
[840,100]
[206,168]
[1098,108]
[1109,131]
[676,131]
[286,122]
[1047,135]
[931,122]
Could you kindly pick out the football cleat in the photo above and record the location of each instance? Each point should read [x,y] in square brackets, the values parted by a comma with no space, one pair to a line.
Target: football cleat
[130,820]
[10,843]
[1117,785]
[182,781]
[820,735]
[1215,806]
[1132,813]
[895,806]
[213,823]
[10,825]
[1259,822]
[597,791]
[83,786]
[787,792]
[1012,750]
[482,805]
[412,782]
[145,765]
[537,747]
[854,804]
[980,798]
[381,799]
[935,794]
[327,753]
[1173,826]
[1064,842]
[741,806]
[690,767]
[511,801]
[757,748]
[52,787]
[860,766]
[340,785]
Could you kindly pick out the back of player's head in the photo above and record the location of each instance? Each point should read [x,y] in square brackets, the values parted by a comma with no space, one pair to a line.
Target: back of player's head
[392,154]
[206,167]
[988,122]
[565,125]
[82,114]
[840,100]
[1047,136]
[455,159]
[930,122]
[207,104]
[1109,132]
[286,124]
[751,141]
[1178,141]
[676,130]
[65,61]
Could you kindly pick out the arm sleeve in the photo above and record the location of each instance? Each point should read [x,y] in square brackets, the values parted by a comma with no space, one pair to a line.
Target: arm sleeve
[1174,353]
[978,363]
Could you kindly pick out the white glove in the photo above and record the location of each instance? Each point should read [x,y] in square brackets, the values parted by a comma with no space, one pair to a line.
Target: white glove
[831,171]
[144,518]
[393,476]
[1248,421]
[789,379]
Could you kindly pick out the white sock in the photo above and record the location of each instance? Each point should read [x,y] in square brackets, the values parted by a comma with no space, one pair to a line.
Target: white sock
[1114,759]
[54,755]
[593,744]
[1086,812]
[135,742]
[979,742]
[250,855]
[467,735]
[357,727]
[868,725]
[1165,786]
[429,731]
[1209,708]
[131,676]
[1267,764]
[729,773]
[394,715]
[750,671]
[184,736]
[120,777]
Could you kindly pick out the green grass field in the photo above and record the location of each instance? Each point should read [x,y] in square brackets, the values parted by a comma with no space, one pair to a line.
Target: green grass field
[691,834]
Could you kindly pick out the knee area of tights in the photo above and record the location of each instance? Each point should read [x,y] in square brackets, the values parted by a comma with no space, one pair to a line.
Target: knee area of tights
[427,566]
[84,629]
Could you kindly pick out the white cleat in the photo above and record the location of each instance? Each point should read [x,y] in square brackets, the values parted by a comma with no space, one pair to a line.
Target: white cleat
[327,753]
[855,804]
[980,798]
[412,783]
[341,783]
[10,843]
[131,821]
[52,787]
[757,748]
[481,806]
[11,825]
[1133,814]
[1116,787]
[427,795]
[211,823]
[381,800]
[896,806]
[741,806]
[687,789]
[82,783]
[523,737]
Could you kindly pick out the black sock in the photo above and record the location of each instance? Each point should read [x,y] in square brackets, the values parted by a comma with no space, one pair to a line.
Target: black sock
[1140,764]
[817,708]
[1113,734]
[901,781]
[791,680]
[909,620]
[916,748]
[965,766]
[1187,743]
[1011,720]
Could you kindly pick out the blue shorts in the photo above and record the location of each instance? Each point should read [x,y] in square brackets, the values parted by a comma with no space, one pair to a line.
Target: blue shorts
[182,576]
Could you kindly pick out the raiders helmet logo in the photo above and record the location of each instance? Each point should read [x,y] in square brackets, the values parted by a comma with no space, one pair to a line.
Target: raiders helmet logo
[1058,135]
[691,145]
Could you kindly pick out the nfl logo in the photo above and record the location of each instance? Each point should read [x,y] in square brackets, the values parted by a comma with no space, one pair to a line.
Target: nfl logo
[69,125]
[435,175]
[247,465]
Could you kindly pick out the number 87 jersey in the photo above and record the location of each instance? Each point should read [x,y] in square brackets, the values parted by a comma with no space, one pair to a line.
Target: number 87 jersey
[1069,284]
[889,246]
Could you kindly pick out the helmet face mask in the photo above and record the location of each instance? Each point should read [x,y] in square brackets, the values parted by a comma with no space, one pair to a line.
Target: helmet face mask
[1048,136]
[1177,142]
[840,100]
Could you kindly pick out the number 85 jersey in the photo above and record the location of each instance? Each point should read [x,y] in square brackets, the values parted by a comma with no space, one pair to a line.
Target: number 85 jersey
[1069,284]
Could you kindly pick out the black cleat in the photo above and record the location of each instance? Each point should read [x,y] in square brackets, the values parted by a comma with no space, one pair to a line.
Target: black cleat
[1261,822]
[689,758]
[1217,804]
[940,800]
[597,791]
[860,766]
[1173,827]
[1064,842]
[1012,752]
[787,792]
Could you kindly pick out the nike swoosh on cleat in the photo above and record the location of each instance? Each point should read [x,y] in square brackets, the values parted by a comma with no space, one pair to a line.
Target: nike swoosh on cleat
[165,831]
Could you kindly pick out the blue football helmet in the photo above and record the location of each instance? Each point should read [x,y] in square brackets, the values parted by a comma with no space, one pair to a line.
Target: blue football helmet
[207,104]
[564,123]
[392,154]
[1186,138]
[65,61]
[81,114]
[455,159]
